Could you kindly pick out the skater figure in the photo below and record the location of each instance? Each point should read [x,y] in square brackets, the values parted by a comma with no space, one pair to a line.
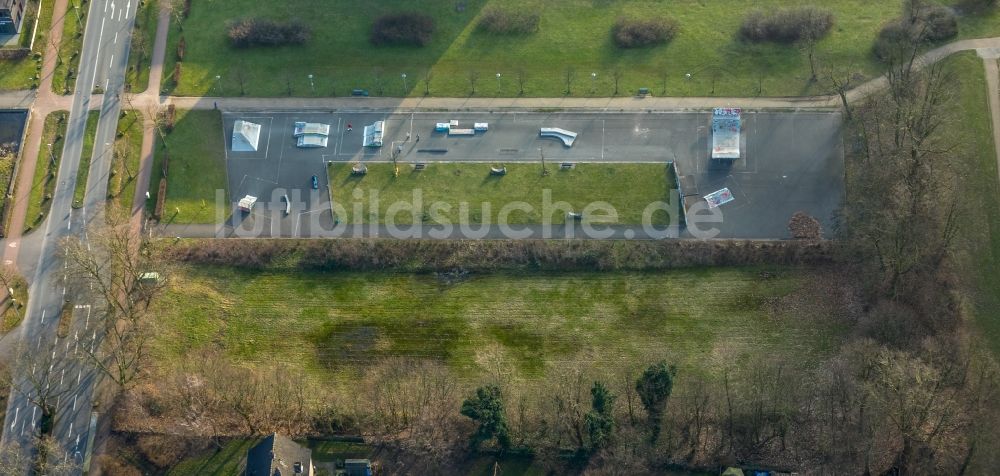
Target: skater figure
[418,137]
[349,128]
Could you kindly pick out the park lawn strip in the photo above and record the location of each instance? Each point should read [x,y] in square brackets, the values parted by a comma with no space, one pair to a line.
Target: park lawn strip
[573,41]
[330,325]
[125,166]
[14,312]
[23,73]
[44,182]
[197,169]
[629,188]
[141,48]
[69,50]
[979,236]
[80,191]
[225,462]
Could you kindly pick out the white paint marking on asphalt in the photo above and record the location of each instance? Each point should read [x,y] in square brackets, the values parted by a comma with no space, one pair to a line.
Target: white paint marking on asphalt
[21,433]
[74,409]
[112,7]
[61,377]
[106,83]
[99,37]
[128,8]
[39,342]
[116,38]
[119,15]
[33,409]
[70,434]
[13,422]
[87,323]
[111,64]
[64,290]
[43,316]
[78,375]
[53,356]
[77,444]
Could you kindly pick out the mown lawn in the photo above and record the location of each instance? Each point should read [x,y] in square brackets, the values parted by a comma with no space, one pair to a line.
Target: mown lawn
[127,155]
[80,191]
[141,49]
[573,37]
[330,324]
[43,184]
[63,81]
[23,73]
[197,168]
[629,188]
[979,235]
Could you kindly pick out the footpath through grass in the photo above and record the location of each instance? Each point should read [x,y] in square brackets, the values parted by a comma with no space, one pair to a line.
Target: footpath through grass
[331,325]
[125,164]
[80,192]
[23,73]
[572,42]
[196,169]
[141,49]
[979,236]
[522,196]
[64,76]
[43,184]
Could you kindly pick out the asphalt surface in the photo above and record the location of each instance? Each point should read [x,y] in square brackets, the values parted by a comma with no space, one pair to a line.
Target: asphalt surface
[791,161]
[103,61]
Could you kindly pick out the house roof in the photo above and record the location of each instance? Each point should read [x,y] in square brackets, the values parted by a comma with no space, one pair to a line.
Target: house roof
[277,455]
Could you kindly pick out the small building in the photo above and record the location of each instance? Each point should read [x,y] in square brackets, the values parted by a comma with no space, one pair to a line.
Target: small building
[277,455]
[11,12]
[246,135]
[726,133]
[373,134]
[246,203]
[311,134]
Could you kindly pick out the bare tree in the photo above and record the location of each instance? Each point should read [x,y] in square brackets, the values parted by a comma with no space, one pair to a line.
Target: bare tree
[50,459]
[616,77]
[111,265]
[521,79]
[241,78]
[379,87]
[428,75]
[841,81]
[473,76]
[569,75]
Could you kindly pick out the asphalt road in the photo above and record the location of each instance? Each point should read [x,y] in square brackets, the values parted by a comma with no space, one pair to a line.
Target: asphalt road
[103,62]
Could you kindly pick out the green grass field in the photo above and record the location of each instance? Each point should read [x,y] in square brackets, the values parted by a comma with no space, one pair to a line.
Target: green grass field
[980,227]
[141,49]
[197,168]
[329,324]
[69,50]
[23,73]
[80,191]
[629,188]
[44,181]
[125,167]
[574,37]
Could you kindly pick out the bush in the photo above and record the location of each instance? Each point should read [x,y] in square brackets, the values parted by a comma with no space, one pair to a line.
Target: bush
[402,29]
[787,26]
[924,23]
[161,198]
[509,22]
[249,32]
[176,76]
[637,33]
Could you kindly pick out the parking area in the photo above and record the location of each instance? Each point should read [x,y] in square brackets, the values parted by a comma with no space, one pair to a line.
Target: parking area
[790,161]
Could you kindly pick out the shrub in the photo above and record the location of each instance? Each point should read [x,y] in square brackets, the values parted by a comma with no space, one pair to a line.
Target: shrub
[976,6]
[176,76]
[161,198]
[248,32]
[402,29]
[787,26]
[181,47]
[637,33]
[923,23]
[509,22]
[804,227]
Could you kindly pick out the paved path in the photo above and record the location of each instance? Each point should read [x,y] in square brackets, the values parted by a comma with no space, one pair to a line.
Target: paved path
[991,61]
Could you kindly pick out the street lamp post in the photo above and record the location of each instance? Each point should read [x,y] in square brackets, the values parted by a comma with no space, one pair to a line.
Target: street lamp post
[593,83]
[218,80]
[404,83]
[52,158]
[498,84]
[311,84]
[79,21]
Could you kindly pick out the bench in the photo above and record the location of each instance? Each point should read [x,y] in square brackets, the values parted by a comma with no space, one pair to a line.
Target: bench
[567,165]
[461,132]
[420,166]
[575,216]
[500,171]
[567,137]
[359,92]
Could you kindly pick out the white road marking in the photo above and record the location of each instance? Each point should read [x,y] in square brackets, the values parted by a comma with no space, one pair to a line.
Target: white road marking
[112,7]
[61,377]
[116,38]
[33,409]
[13,422]
[111,64]
[99,37]
[120,15]
[43,316]
[74,409]
[78,375]
[70,434]
[128,8]
[87,323]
